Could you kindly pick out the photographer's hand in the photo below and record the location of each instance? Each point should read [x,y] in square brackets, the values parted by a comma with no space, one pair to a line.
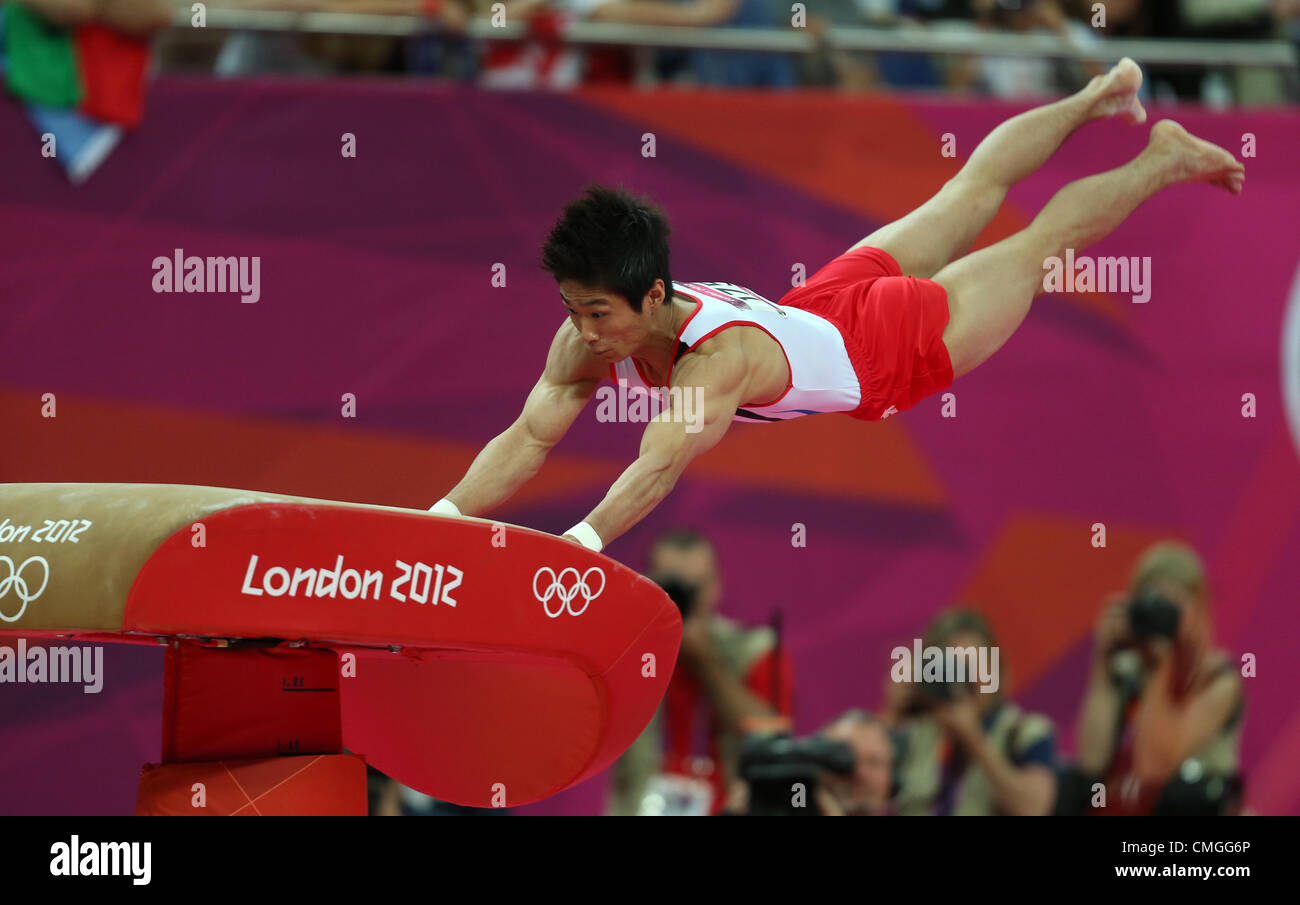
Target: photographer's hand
[737,706]
[1020,791]
[1173,722]
[697,640]
[898,698]
[1156,651]
[1112,631]
[960,718]
[1095,729]
[828,803]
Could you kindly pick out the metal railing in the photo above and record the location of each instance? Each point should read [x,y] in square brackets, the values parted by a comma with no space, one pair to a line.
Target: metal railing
[1268,54]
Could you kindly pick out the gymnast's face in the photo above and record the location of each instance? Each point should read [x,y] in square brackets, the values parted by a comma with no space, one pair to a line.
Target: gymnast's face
[606,322]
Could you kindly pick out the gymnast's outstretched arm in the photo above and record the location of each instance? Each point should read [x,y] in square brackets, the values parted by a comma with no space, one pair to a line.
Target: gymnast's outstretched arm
[712,385]
[515,455]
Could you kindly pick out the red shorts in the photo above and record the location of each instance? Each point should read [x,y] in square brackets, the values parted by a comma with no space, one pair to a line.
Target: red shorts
[892,327]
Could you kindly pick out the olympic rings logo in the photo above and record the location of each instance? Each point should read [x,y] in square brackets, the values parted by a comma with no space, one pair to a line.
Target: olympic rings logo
[565,595]
[18,584]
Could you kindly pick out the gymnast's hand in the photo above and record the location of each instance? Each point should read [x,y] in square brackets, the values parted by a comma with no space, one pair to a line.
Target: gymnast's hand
[446,507]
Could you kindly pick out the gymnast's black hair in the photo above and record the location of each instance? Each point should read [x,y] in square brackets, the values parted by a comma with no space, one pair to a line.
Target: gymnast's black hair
[612,240]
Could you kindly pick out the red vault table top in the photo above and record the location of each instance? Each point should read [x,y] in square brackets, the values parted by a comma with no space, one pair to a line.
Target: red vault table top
[480,663]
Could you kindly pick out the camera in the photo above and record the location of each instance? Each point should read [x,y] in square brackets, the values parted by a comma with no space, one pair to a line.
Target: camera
[1151,615]
[773,764]
[679,591]
[926,696]
[1205,796]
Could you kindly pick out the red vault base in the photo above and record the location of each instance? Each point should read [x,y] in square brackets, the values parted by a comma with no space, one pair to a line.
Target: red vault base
[252,732]
[322,784]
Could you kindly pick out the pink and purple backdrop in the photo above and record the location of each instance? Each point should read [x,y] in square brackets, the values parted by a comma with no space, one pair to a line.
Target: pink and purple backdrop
[375,279]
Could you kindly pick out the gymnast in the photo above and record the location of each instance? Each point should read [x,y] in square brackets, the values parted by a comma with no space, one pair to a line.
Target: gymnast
[893,320]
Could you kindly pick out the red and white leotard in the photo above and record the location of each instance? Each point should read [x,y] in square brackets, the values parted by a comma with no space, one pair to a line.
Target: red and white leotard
[822,378]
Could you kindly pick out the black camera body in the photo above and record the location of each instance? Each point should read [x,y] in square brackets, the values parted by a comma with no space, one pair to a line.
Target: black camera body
[679,592]
[1151,615]
[773,764]
[926,696]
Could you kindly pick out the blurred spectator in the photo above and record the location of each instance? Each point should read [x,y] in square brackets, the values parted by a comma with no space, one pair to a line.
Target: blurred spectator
[867,792]
[1226,18]
[966,751]
[741,69]
[546,62]
[1130,18]
[930,10]
[1236,20]
[139,18]
[828,67]
[1161,717]
[1287,15]
[895,70]
[79,68]
[729,678]
[1207,20]
[1027,77]
[246,53]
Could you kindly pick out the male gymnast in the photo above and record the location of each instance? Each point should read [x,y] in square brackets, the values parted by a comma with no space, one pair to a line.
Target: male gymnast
[896,318]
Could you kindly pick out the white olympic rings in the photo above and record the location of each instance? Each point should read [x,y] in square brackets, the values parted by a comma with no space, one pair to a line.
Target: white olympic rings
[18,584]
[564,594]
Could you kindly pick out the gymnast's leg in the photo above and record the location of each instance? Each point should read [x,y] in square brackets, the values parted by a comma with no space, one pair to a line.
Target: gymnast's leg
[945,226]
[990,290]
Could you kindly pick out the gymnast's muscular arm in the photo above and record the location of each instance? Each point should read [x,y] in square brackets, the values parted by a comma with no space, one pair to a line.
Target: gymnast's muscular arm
[515,455]
[713,379]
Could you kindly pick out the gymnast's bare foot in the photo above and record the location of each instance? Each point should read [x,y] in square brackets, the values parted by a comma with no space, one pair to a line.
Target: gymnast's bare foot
[1116,93]
[1186,158]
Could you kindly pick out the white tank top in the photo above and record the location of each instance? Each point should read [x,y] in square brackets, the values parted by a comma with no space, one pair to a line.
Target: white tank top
[822,378]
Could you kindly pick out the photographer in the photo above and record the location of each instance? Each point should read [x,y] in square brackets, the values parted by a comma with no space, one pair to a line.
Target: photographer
[966,751]
[1161,717]
[729,678]
[866,792]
